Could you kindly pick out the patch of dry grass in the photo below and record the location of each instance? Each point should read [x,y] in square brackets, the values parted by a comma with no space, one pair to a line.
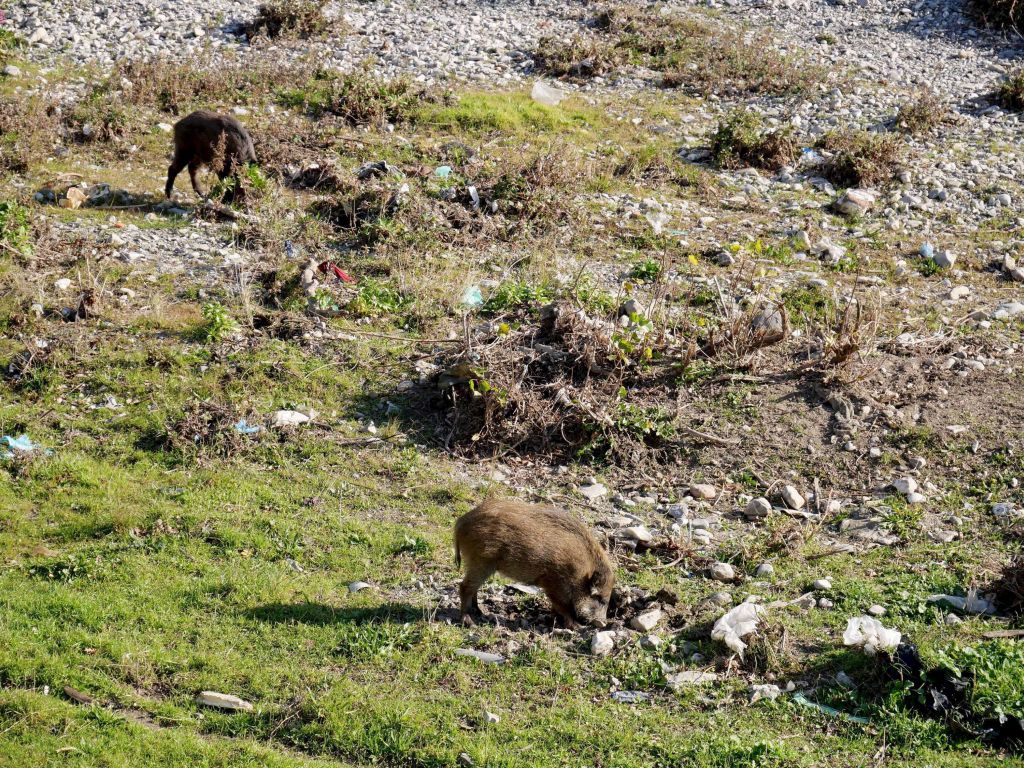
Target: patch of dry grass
[861,158]
[293,18]
[742,139]
[922,114]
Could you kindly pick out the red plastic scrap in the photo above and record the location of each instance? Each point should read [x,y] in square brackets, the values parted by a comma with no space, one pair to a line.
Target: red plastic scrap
[330,266]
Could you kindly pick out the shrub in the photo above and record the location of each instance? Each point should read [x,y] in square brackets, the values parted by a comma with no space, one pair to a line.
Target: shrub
[922,114]
[860,158]
[1011,92]
[301,18]
[740,139]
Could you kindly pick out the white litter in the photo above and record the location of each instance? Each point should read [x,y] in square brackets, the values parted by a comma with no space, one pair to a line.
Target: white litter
[546,94]
[223,701]
[738,623]
[288,418]
[868,633]
[973,603]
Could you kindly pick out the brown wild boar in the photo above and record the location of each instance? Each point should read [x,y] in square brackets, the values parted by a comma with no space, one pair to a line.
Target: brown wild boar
[204,138]
[535,545]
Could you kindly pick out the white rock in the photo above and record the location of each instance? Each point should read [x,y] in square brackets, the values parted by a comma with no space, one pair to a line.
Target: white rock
[856,202]
[768,691]
[764,569]
[593,491]
[11,71]
[165,127]
[690,677]
[916,498]
[703,491]
[651,642]
[944,259]
[905,485]
[757,509]
[223,701]
[358,586]
[490,718]
[822,584]
[63,284]
[792,497]
[722,572]
[877,610]
[646,621]
[602,643]
[636,533]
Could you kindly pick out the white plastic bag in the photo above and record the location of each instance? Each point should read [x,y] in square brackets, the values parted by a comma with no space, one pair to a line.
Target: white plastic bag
[738,623]
[868,633]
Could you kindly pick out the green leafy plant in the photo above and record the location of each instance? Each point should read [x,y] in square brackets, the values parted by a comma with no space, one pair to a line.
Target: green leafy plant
[648,269]
[517,295]
[742,139]
[217,323]
[373,298]
[15,227]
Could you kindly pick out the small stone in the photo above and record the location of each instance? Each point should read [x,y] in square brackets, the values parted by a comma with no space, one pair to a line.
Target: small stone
[63,284]
[822,584]
[722,572]
[720,598]
[636,533]
[951,619]
[757,509]
[855,202]
[825,604]
[764,569]
[165,127]
[959,292]
[359,586]
[944,259]
[877,610]
[845,680]
[651,642]
[465,761]
[602,643]
[916,498]
[646,621]
[11,71]
[593,491]
[703,491]
[905,485]
[792,497]
[918,462]
[768,691]
[490,718]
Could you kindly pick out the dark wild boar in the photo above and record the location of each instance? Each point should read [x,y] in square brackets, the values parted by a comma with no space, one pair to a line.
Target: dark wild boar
[211,139]
[535,545]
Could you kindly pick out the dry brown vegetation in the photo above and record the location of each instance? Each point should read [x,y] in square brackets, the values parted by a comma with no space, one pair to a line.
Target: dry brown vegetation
[688,51]
[861,158]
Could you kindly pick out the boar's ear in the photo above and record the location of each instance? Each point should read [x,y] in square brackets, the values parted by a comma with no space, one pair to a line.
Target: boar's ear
[596,583]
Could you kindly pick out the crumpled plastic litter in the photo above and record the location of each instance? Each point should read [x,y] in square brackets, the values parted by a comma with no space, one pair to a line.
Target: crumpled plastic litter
[868,633]
[805,702]
[657,220]
[245,428]
[286,418]
[472,297]
[547,95]
[973,603]
[16,445]
[330,266]
[443,171]
[738,623]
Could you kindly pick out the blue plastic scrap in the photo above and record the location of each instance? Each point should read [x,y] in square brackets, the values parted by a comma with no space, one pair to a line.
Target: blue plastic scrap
[443,171]
[805,702]
[245,428]
[20,444]
[472,296]
[630,697]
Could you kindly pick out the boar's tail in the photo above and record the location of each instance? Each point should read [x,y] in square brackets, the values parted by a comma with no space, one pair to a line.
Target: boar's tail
[458,555]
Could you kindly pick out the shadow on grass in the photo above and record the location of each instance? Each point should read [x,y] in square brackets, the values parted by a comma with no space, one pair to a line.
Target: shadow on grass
[320,614]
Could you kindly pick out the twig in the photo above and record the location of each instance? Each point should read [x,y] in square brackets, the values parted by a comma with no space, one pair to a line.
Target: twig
[1001,633]
[713,439]
[396,337]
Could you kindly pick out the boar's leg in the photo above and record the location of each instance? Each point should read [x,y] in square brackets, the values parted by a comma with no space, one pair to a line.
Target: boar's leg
[172,173]
[193,169]
[476,575]
[561,601]
[228,169]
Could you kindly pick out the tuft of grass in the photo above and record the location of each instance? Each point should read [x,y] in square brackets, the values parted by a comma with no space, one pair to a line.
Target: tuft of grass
[358,98]
[647,270]
[741,139]
[15,227]
[1011,92]
[512,295]
[860,158]
[1002,14]
[922,114]
[582,56]
[292,18]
